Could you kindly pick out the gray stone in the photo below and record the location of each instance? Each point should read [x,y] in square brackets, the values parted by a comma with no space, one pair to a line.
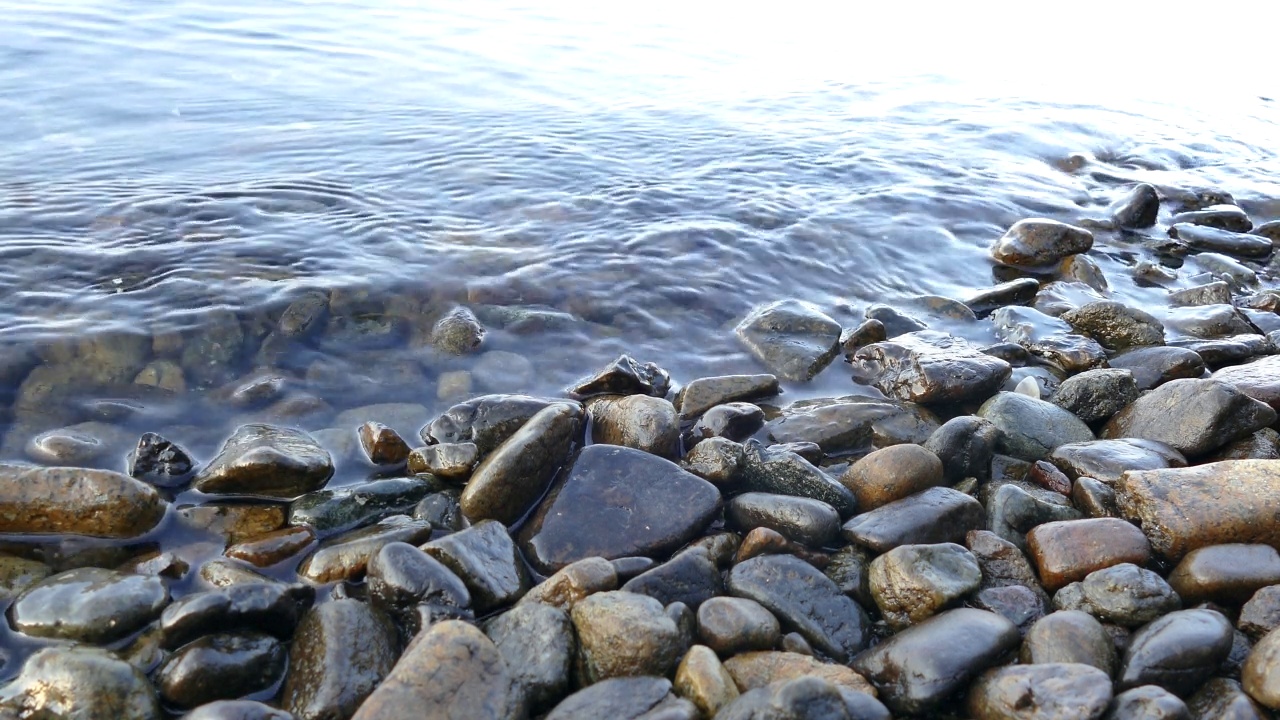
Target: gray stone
[1014,509]
[1213,293]
[1096,394]
[237,710]
[268,461]
[732,625]
[1050,691]
[1192,416]
[538,644]
[345,556]
[624,376]
[1259,379]
[804,697]
[1069,636]
[703,394]
[1261,614]
[1107,460]
[224,666]
[630,698]
[1123,594]
[1177,652]
[804,520]
[965,445]
[691,577]
[89,605]
[1138,209]
[731,421]
[1224,216]
[457,332]
[785,473]
[852,424]
[1115,325]
[1224,699]
[1031,429]
[341,652]
[1149,703]
[716,460]
[486,421]
[792,338]
[1155,366]
[352,506]
[622,634]
[911,583]
[1049,338]
[487,561]
[1203,238]
[935,515]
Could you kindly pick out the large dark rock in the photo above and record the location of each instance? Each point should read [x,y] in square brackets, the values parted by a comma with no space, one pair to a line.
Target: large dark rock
[1138,209]
[487,561]
[793,339]
[266,607]
[1226,574]
[401,577]
[336,510]
[1224,217]
[1177,652]
[224,666]
[617,502]
[268,461]
[783,472]
[965,445]
[1096,394]
[79,683]
[624,376]
[89,605]
[485,421]
[930,367]
[507,482]
[537,642]
[1155,366]
[76,501]
[1037,242]
[341,652]
[852,424]
[931,516]
[1203,238]
[691,577]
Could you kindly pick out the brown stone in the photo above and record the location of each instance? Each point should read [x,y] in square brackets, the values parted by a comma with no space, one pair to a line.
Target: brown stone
[234,522]
[892,473]
[382,445]
[273,547]
[76,501]
[1225,574]
[1044,474]
[1260,675]
[703,681]
[763,541]
[574,582]
[1068,550]
[757,669]
[345,556]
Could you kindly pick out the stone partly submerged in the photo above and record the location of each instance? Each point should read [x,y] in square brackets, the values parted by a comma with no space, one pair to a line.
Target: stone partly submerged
[269,461]
[76,501]
[930,367]
[1037,242]
[793,339]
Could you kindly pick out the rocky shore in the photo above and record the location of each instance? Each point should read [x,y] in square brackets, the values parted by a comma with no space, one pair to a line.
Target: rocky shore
[1078,521]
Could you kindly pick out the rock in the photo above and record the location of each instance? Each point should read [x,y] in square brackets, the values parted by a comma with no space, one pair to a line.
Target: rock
[1107,460]
[507,483]
[342,650]
[458,332]
[1096,394]
[1213,293]
[1037,242]
[631,698]
[1115,325]
[622,634]
[235,522]
[353,506]
[1177,652]
[486,421]
[225,666]
[448,461]
[1123,594]
[1261,445]
[1182,509]
[894,321]
[716,460]
[1194,417]
[867,332]
[1052,690]
[1044,474]
[450,671]
[1203,238]
[486,560]
[691,577]
[1065,552]
[1155,366]
[1017,604]
[803,600]
[1261,614]
[936,515]
[805,697]
[703,681]
[911,583]
[1014,292]
[1060,296]
[1236,274]
[264,607]
[76,501]
[267,461]
[617,502]
[642,422]
[273,547]
[80,683]
[1013,509]
[345,556]
[752,670]
[732,625]
[1149,703]
[793,339]
[1069,636]
[1138,209]
[402,577]
[732,421]
[1260,675]
[965,446]
[538,645]
[1094,498]
[1002,563]
[703,394]
[1225,574]
[804,520]
[574,582]
[931,367]
[853,424]
[18,574]
[624,376]
[1259,379]
[1220,352]
[237,710]
[1031,429]
[1224,699]
[783,472]
[382,445]
[1224,217]
[160,462]
[920,667]
[891,474]
[90,605]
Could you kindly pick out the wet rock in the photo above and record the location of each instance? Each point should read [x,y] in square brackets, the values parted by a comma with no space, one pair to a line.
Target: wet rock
[1049,338]
[486,421]
[1070,636]
[1209,322]
[1183,509]
[235,522]
[1097,394]
[341,652]
[1261,614]
[703,681]
[936,515]
[76,501]
[538,645]
[786,473]
[1107,460]
[1094,498]
[732,421]
[617,502]
[920,667]
[1002,563]
[763,541]
[1219,352]
[691,577]
[622,634]
[911,583]
[867,332]
[1225,574]
[1014,509]
[1060,296]
[345,556]
[1038,242]
[211,351]
[1138,209]
[1259,379]
[225,666]
[1262,445]
[965,446]
[18,574]
[1017,604]
[1123,594]
[487,560]
[265,607]
[237,710]
[1031,429]
[160,462]
[1044,474]
[1149,703]
[450,670]
[848,568]
[80,683]
[732,625]
[84,444]
[624,376]
[1014,292]
[1068,551]
[382,445]
[1192,416]
[268,461]
[164,375]
[1213,293]
[752,670]
[458,332]
[931,367]
[1052,690]
[401,577]
[716,460]
[630,698]
[891,474]
[894,321]
[273,547]
[1260,675]
[1116,326]
[841,426]
[703,394]
[1155,366]
[574,582]
[1224,699]
[89,605]
[507,483]
[1177,652]
[353,506]
[803,600]
[448,461]
[1224,217]
[1203,238]
[805,697]
[803,520]
[642,422]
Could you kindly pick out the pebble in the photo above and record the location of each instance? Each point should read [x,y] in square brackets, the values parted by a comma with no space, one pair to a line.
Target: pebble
[1155,366]
[1014,292]
[642,422]
[1224,699]
[622,634]
[1049,690]
[225,666]
[1096,394]
[1203,238]
[1065,552]
[1123,594]
[1037,242]
[803,520]
[1107,460]
[805,697]
[89,605]
[1014,508]
[691,578]
[936,515]
[1224,217]
[337,510]
[539,647]
[1212,293]
[702,394]
[76,501]
[846,426]
[273,547]
[487,561]
[510,480]
[785,473]
[272,607]
[1095,499]
[733,625]
[1138,209]
[716,460]
[931,367]
[965,446]
[892,473]
[457,332]
[1261,614]
[1116,326]
[1030,428]
[1260,675]
[237,710]
[267,461]
[1225,574]
[867,332]
[1259,379]
[624,376]
[792,338]
[160,462]
[913,582]
[1177,651]
[731,421]
[447,461]
[1069,636]
[484,421]
[400,577]
[703,681]
[574,582]
[381,444]
[341,651]
[752,670]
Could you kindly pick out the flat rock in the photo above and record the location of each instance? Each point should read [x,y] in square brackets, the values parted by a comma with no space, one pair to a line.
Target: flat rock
[1036,242]
[1014,508]
[1155,366]
[80,445]
[691,577]
[1259,379]
[224,666]
[1049,338]
[574,582]
[852,424]
[804,520]
[892,473]
[935,515]
[237,710]
[1051,690]
[76,501]
[631,698]
[1223,216]
[931,367]
[911,583]
[1107,460]
[805,697]
[1030,428]
[792,338]
[1067,551]
[268,461]
[89,605]
[716,460]
[622,634]
[345,556]
[488,562]
[80,683]
[341,652]
[1193,417]
[703,394]
[507,482]
[1202,238]
[731,421]
[1177,652]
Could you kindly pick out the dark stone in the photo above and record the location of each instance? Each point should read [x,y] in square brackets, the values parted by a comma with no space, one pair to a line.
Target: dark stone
[1049,338]
[265,607]
[1014,292]
[1002,563]
[624,376]
[895,322]
[382,445]
[965,445]
[935,515]
[642,422]
[703,394]
[804,697]
[1155,366]
[1038,242]
[785,473]
[345,556]
[89,604]
[632,698]
[1209,322]
[486,421]
[1204,238]
[1013,510]
[851,424]
[1094,498]
[931,367]
[1030,428]
[1069,636]
[1149,702]
[848,569]
[1224,699]
[732,625]
[401,577]
[487,561]
[442,511]
[804,520]
[537,642]
[1177,652]
[869,331]
[268,461]
[353,506]
[225,666]
[1227,574]
[237,710]
[341,652]
[911,583]
[507,483]
[1228,350]
[716,460]
[1018,604]
[1138,209]
[1193,417]
[691,577]
[160,462]
[1096,394]
[1261,614]
[733,421]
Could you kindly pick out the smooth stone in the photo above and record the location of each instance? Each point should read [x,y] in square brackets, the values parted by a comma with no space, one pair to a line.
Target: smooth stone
[89,604]
[18,574]
[76,501]
[272,608]
[1107,460]
[642,422]
[1019,605]
[224,572]
[1209,322]
[337,510]
[916,670]
[1224,699]
[1183,509]
[616,502]
[803,600]
[80,445]
[79,683]
[1069,636]
[342,650]
[716,460]
[733,625]
[851,424]
[486,421]
[1222,267]
[1226,574]
[1177,652]
[702,394]
[965,446]
[268,461]
[1067,551]
[622,634]
[1220,352]
[703,681]
[936,515]
[1096,394]
[629,698]
[508,482]
[345,556]
[894,321]
[891,474]
[1155,366]
[731,421]
[867,332]
[1149,702]
[451,670]
[538,644]
[160,462]
[691,577]
[1138,209]
[457,332]
[752,670]
[804,697]
[273,547]
[574,582]
[382,445]
[1260,675]
[1049,338]
[1014,292]
[1203,238]
[792,338]
[763,541]
[448,461]
[1094,498]
[234,522]
[1002,563]
[1213,293]
[225,666]
[911,583]
[1259,379]
[783,472]
[1030,428]
[1045,474]
[1223,217]
[1261,614]
[1037,241]
[1115,325]
[1051,691]
[804,520]
[1193,417]
[237,710]
[931,367]
[487,561]
[1014,508]
[1123,594]
[400,577]
[624,376]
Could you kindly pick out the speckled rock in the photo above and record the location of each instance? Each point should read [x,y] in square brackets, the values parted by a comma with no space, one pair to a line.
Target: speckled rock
[805,697]
[345,556]
[80,683]
[1065,552]
[751,670]
[1192,416]
[1096,394]
[1149,702]
[716,460]
[574,582]
[507,482]
[341,652]
[76,501]
[913,582]
[852,424]
[785,473]
[457,332]
[89,605]
[622,634]
[159,461]
[1123,594]
[930,367]
[1037,242]
[1051,690]
[1177,652]
[1261,614]
[268,461]
[1115,325]
[538,645]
